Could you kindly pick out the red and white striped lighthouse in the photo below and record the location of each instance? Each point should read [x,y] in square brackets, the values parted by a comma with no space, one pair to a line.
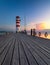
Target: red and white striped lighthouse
[17,23]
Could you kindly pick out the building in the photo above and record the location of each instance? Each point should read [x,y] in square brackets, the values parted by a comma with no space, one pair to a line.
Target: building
[17,24]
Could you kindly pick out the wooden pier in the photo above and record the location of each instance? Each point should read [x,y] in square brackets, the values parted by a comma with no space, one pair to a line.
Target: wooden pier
[21,49]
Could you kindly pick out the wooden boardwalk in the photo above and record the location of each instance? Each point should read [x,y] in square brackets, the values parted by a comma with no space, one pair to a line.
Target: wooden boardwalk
[20,49]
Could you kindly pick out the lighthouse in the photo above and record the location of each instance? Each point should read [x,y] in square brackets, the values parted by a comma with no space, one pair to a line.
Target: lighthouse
[17,24]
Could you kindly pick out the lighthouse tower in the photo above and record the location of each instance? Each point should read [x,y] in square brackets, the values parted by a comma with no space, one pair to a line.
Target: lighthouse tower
[17,24]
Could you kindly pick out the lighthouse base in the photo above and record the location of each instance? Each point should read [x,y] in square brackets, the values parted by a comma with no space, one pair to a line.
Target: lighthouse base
[17,30]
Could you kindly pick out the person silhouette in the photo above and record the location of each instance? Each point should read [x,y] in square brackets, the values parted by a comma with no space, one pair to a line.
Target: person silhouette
[46,34]
[39,34]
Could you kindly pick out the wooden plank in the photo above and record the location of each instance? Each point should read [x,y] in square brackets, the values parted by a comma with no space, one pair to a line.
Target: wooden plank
[8,57]
[41,55]
[34,44]
[4,53]
[31,59]
[24,50]
[15,60]
[23,59]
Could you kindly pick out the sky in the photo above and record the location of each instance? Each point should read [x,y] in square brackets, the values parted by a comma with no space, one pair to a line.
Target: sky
[36,13]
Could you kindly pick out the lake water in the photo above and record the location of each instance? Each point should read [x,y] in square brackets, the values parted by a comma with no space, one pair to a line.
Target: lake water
[2,33]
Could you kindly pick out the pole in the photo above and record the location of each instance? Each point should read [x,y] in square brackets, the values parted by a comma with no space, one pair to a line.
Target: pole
[25,24]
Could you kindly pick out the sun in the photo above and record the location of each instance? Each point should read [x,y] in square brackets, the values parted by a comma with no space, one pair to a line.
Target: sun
[40,26]
[47,25]
[43,25]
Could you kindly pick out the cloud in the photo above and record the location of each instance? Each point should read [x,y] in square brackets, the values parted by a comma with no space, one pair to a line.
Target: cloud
[40,26]
[29,26]
[32,25]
